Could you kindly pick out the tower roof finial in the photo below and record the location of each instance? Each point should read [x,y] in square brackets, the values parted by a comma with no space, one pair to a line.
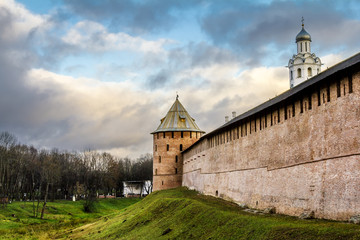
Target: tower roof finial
[177,95]
[302,21]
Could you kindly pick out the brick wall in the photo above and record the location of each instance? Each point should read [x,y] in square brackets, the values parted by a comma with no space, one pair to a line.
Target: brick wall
[168,161]
[310,160]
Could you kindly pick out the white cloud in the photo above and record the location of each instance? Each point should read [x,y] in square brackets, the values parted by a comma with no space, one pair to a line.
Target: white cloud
[82,113]
[331,59]
[93,36]
[17,21]
[224,81]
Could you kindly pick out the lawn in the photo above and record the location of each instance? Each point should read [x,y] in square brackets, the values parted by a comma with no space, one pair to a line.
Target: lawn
[17,221]
[169,214]
[184,214]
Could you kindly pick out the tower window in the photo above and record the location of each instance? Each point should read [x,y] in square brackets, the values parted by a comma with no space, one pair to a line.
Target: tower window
[157,135]
[159,159]
[172,134]
[162,182]
[299,73]
[182,134]
[167,147]
[309,72]
[176,171]
[301,47]
[291,75]
[305,47]
[181,147]
[156,171]
[190,134]
[155,148]
[163,134]
[176,158]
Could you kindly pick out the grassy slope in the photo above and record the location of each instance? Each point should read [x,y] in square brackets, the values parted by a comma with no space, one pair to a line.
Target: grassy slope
[60,216]
[184,214]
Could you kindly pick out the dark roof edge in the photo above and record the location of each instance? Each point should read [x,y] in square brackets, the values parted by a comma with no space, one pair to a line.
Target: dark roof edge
[287,94]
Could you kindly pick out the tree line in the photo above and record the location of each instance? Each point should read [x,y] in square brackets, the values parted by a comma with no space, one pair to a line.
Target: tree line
[27,173]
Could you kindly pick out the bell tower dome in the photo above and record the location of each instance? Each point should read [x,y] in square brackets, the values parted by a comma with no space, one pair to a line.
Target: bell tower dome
[176,132]
[304,64]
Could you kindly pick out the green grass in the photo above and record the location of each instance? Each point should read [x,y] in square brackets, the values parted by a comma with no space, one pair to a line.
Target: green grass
[60,216]
[171,214]
[184,214]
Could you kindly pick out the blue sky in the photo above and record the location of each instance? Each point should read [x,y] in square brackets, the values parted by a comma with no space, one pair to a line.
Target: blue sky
[101,74]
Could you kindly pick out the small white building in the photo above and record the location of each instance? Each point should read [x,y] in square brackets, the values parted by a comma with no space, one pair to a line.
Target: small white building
[304,64]
[137,188]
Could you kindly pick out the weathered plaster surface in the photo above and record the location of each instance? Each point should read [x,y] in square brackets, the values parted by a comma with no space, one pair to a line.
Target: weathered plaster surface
[308,162]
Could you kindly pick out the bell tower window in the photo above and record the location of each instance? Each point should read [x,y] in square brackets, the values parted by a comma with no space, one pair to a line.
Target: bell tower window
[299,72]
[309,72]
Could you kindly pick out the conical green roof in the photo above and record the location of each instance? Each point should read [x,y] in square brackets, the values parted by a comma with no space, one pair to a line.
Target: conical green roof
[177,119]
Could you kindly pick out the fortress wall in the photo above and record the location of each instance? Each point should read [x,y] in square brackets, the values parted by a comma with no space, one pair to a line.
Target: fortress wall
[310,160]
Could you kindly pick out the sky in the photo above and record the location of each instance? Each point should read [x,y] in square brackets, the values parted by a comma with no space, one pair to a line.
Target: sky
[99,75]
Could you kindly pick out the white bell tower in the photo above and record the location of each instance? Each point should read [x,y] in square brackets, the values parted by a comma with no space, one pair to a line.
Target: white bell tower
[304,64]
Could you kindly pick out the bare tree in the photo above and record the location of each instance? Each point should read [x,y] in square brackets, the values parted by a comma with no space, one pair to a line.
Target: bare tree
[39,175]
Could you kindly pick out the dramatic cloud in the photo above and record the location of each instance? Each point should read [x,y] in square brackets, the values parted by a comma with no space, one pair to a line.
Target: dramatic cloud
[181,62]
[101,74]
[260,31]
[134,16]
[92,36]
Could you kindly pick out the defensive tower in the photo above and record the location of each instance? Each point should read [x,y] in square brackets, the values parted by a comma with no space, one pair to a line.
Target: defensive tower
[176,132]
[304,64]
